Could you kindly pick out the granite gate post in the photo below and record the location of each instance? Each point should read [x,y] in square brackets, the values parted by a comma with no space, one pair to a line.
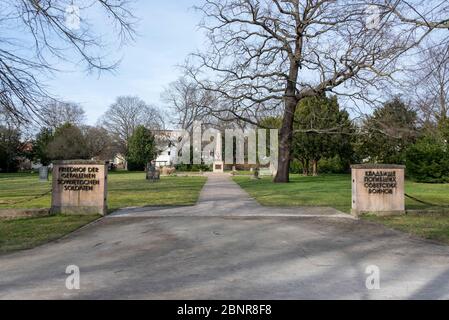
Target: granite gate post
[378,189]
[79,187]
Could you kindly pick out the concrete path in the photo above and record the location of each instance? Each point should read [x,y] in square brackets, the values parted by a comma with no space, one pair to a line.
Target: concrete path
[221,197]
[196,254]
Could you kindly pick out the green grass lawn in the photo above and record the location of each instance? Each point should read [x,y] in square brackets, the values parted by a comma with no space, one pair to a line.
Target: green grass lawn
[126,189]
[28,233]
[328,191]
[242,173]
[132,190]
[18,190]
[331,191]
[433,226]
[335,191]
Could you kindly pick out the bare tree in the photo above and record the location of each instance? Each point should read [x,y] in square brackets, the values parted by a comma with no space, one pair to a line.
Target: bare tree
[430,83]
[6,118]
[271,54]
[421,13]
[423,17]
[99,143]
[188,102]
[38,34]
[126,114]
[429,76]
[55,113]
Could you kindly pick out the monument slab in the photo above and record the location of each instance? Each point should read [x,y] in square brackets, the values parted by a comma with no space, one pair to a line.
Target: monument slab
[378,189]
[79,187]
[218,165]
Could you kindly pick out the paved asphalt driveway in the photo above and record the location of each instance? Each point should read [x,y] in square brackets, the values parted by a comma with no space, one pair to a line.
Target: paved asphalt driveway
[228,247]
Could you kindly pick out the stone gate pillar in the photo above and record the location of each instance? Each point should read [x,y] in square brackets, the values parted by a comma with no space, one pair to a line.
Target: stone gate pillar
[378,189]
[79,187]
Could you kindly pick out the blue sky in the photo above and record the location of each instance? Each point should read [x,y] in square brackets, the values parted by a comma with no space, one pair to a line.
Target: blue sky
[168,32]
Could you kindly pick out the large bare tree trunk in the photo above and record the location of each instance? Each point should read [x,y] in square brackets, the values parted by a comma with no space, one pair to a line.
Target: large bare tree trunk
[286,132]
[286,140]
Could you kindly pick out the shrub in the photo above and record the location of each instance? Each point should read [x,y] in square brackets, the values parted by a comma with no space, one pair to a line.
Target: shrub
[135,166]
[326,165]
[40,146]
[192,168]
[10,149]
[428,161]
[332,165]
[296,167]
[141,150]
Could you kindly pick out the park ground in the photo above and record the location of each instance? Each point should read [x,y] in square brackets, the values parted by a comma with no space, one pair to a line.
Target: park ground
[126,189]
[132,190]
[228,246]
[427,218]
